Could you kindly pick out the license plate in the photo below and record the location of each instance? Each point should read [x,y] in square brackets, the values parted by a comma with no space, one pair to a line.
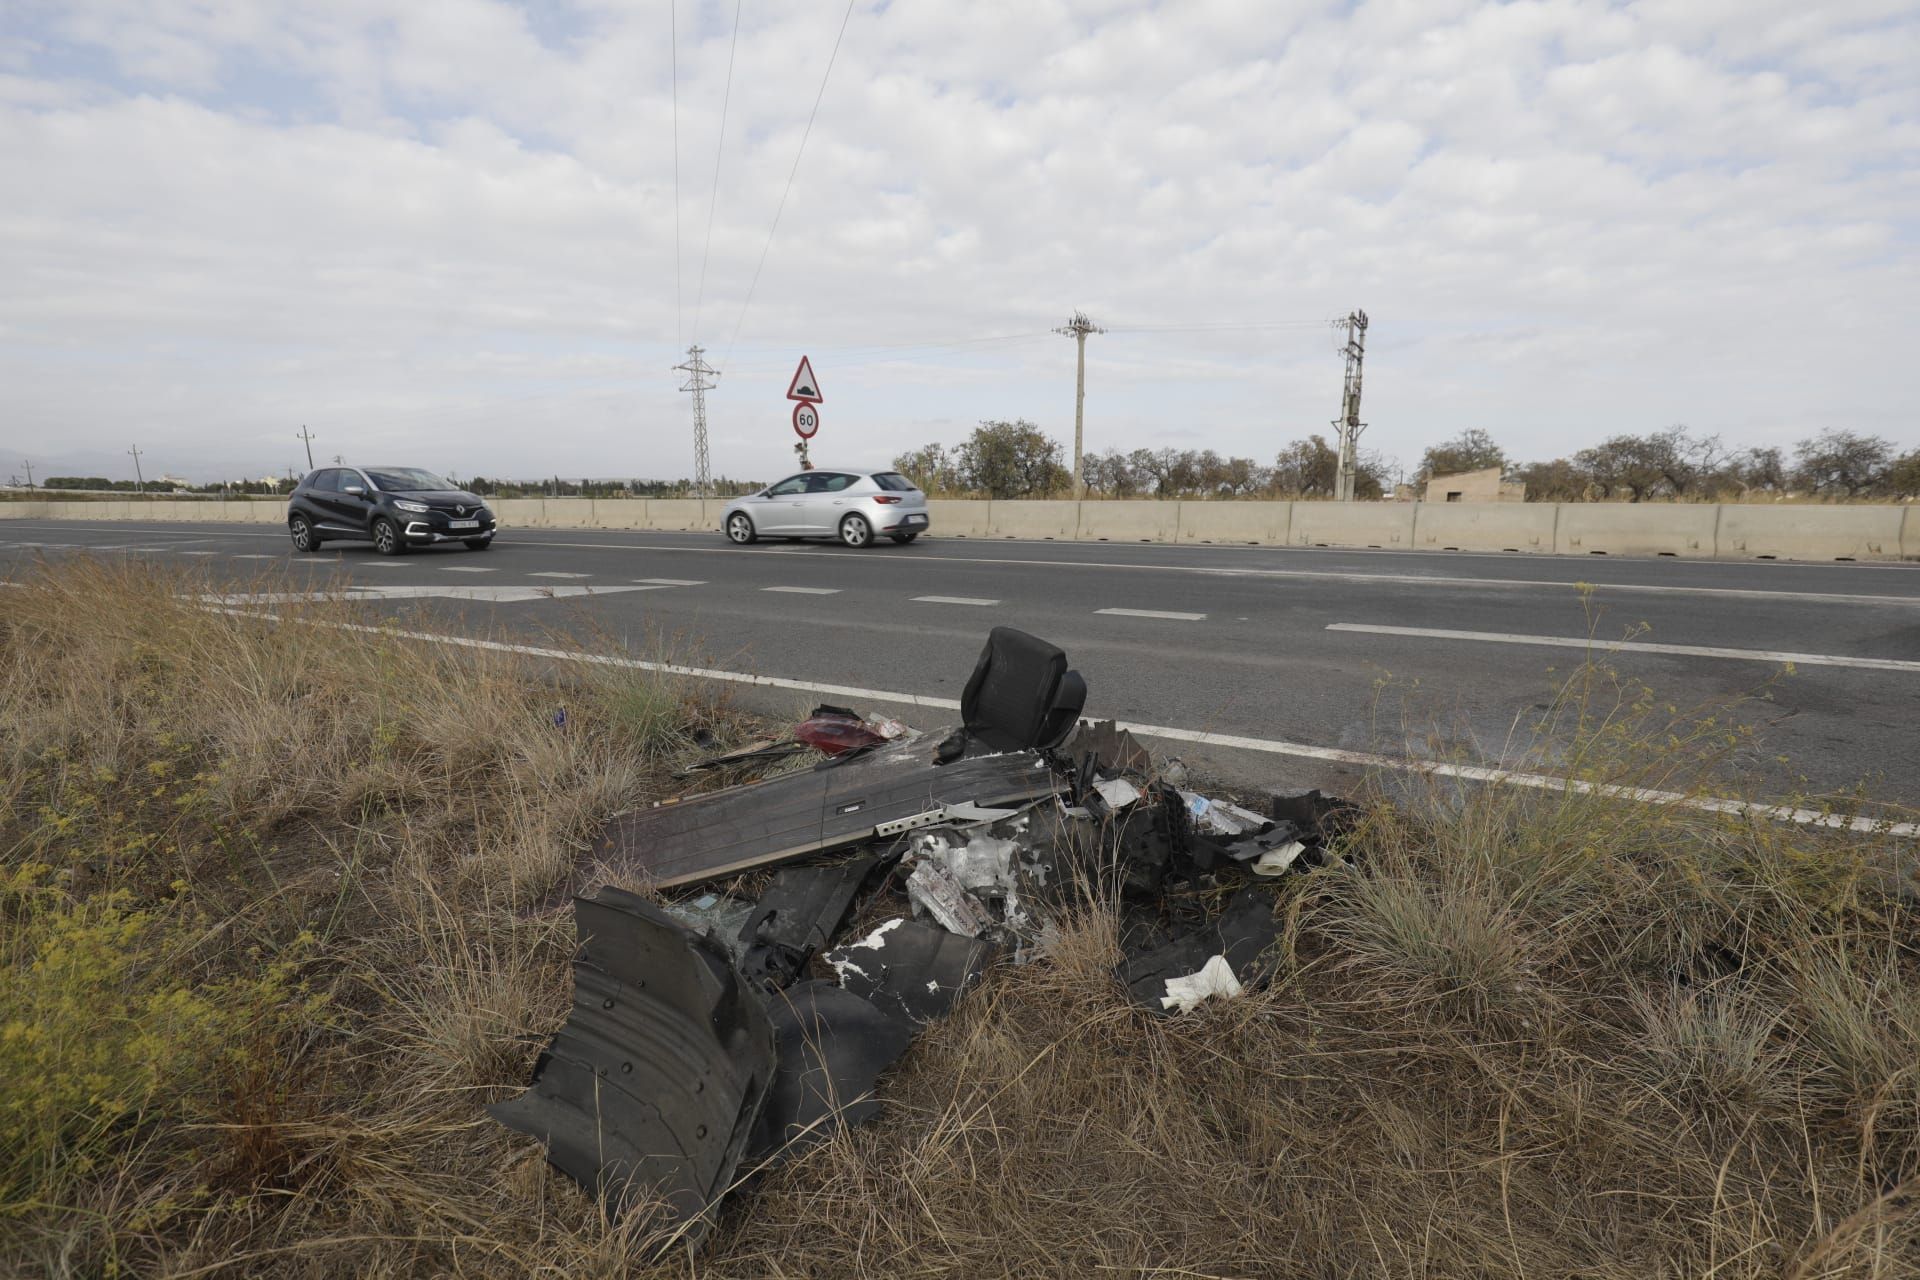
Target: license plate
[915,520]
[463,524]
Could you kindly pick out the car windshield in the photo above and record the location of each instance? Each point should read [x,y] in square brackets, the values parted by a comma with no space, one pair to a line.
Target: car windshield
[893,482]
[407,480]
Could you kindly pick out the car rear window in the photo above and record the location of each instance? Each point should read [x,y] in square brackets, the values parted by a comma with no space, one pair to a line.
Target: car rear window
[893,482]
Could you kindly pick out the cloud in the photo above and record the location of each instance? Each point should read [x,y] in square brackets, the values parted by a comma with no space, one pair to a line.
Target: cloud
[448,229]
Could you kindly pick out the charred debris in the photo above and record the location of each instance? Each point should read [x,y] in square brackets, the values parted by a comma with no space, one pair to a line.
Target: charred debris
[712,1035]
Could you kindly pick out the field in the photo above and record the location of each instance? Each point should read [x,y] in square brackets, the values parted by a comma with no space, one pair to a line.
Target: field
[278,914]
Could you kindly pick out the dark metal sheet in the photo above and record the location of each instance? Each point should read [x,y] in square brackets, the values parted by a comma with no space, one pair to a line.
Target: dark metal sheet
[833,1045]
[764,823]
[798,915]
[911,970]
[649,1093]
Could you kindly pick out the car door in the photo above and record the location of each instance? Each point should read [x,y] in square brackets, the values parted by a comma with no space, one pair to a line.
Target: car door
[819,517]
[836,499]
[323,498]
[356,509]
[780,511]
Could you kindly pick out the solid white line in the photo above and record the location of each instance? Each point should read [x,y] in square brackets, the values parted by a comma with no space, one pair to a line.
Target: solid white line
[1636,646]
[952,600]
[255,556]
[1154,613]
[199,553]
[552,573]
[1363,759]
[673,582]
[806,591]
[465,568]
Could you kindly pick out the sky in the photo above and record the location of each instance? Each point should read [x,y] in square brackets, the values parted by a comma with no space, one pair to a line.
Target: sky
[477,236]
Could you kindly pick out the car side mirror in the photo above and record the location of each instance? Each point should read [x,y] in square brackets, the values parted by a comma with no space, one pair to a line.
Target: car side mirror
[356,489]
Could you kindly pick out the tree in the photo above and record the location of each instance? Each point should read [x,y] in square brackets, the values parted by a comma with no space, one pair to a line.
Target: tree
[1307,468]
[1903,476]
[1471,450]
[1759,469]
[1557,481]
[1842,462]
[929,467]
[1011,460]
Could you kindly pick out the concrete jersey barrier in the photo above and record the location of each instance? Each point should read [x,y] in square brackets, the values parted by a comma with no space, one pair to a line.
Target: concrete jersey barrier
[1733,531]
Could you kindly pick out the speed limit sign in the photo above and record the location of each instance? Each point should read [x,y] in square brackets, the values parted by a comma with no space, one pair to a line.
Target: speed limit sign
[806,421]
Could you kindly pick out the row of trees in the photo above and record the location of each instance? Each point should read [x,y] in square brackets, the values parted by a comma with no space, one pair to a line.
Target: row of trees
[1018,460]
[1676,465]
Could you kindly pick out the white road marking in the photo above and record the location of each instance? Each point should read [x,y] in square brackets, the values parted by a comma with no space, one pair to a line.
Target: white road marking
[490,595]
[806,591]
[466,568]
[553,573]
[255,555]
[951,600]
[1154,613]
[672,582]
[921,563]
[380,564]
[1361,759]
[1637,646]
[198,553]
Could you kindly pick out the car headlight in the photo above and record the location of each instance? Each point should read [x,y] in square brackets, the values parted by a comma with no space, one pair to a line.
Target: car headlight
[420,507]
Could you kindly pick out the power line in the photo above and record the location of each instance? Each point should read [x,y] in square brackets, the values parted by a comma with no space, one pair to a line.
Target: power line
[791,173]
[719,151]
[679,288]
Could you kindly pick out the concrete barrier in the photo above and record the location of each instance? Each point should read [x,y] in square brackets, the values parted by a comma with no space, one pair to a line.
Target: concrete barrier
[681,514]
[1483,526]
[518,513]
[23,511]
[1059,521]
[1636,529]
[958,517]
[1238,523]
[1352,524]
[1910,533]
[1129,520]
[1809,533]
[620,513]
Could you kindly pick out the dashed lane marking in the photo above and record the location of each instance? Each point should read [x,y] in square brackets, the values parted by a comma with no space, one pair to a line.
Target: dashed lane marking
[1154,613]
[952,600]
[806,591]
[1636,646]
[672,582]
[466,568]
[555,573]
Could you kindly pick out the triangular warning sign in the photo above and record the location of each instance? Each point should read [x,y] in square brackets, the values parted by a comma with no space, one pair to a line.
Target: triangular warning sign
[804,385]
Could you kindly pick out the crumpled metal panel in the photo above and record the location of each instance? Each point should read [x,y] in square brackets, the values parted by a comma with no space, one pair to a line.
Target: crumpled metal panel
[649,1094]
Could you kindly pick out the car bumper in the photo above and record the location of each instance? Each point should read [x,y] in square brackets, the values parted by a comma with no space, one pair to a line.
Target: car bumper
[908,522]
[425,533]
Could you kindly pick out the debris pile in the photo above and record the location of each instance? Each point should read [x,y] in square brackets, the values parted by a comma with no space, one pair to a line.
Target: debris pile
[713,1035]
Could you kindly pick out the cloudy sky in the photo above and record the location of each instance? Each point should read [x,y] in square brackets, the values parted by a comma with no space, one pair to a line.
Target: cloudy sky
[450,232]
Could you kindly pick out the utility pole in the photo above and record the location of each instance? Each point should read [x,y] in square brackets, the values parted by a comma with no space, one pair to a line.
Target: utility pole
[306,437]
[139,479]
[336,459]
[698,371]
[1078,328]
[1347,427]
[28,464]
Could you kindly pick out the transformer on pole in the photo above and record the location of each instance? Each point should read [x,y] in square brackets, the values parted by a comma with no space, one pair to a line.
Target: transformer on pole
[1347,427]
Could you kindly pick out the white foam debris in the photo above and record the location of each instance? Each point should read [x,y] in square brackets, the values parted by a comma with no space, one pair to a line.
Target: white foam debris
[1215,978]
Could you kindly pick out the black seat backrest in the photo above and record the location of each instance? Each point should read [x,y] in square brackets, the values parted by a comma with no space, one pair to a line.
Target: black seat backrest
[1021,695]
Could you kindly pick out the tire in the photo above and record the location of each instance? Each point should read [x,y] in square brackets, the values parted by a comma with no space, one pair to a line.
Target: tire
[387,539]
[479,544]
[904,538]
[740,530]
[304,538]
[856,532]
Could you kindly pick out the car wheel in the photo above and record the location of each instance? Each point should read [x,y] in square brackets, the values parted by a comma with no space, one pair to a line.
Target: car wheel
[855,531]
[904,538]
[304,538]
[386,538]
[740,530]
[479,544]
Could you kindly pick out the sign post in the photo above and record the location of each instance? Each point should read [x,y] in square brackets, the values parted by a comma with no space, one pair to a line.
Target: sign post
[805,388]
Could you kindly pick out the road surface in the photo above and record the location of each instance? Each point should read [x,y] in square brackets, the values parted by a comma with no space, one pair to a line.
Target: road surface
[1407,654]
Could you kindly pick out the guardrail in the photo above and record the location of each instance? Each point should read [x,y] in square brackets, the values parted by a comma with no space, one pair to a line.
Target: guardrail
[1724,532]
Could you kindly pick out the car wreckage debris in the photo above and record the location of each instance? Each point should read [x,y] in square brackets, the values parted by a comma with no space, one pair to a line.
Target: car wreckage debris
[714,1035]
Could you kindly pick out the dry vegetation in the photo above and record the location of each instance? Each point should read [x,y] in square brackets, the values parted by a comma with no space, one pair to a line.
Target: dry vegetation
[271,908]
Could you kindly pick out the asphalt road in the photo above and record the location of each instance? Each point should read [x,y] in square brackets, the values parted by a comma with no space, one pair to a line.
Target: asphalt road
[1316,648]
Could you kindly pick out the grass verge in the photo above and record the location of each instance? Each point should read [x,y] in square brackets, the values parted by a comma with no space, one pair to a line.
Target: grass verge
[270,902]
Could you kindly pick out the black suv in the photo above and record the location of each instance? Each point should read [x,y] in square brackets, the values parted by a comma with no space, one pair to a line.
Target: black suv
[392,507]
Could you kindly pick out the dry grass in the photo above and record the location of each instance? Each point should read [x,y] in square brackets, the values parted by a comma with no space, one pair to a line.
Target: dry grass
[1521,1035]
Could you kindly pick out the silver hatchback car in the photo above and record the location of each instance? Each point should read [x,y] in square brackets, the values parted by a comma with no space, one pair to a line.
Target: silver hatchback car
[854,506]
